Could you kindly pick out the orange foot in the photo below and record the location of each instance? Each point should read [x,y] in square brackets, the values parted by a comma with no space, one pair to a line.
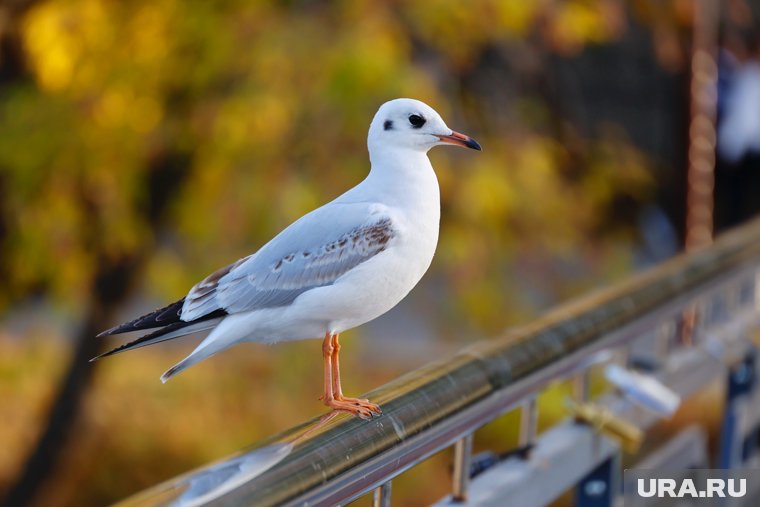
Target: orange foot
[359,407]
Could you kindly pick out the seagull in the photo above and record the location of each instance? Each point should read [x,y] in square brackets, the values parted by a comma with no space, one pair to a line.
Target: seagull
[336,268]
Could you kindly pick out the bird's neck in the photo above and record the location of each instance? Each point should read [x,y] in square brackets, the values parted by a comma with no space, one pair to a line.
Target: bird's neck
[405,176]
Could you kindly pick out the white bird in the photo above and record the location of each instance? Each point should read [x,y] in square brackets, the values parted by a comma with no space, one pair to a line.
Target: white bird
[333,269]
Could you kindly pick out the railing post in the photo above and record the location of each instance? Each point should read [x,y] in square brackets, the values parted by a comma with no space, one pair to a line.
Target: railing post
[382,496]
[528,422]
[581,387]
[462,464]
[665,338]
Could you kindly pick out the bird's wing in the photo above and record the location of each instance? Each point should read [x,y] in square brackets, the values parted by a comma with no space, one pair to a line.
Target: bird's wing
[313,252]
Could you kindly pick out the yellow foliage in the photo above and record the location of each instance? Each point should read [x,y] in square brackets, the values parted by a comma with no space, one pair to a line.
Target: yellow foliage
[52,45]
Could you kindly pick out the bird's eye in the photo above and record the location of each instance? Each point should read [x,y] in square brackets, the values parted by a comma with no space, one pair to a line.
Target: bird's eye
[416,120]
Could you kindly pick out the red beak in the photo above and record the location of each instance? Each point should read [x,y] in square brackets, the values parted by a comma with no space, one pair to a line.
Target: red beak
[458,139]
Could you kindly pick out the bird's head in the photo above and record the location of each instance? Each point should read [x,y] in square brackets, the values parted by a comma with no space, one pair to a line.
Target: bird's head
[411,124]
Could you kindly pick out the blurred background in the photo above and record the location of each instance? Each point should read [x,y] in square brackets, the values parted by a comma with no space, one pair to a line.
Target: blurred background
[144,144]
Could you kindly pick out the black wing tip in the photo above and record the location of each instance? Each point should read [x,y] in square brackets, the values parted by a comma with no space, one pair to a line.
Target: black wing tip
[108,332]
[120,348]
[104,354]
[161,317]
[146,339]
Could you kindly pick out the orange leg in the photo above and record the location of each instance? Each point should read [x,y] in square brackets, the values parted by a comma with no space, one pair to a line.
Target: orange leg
[333,396]
[337,390]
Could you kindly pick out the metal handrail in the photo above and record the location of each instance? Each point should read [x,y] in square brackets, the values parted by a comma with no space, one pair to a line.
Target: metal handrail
[330,461]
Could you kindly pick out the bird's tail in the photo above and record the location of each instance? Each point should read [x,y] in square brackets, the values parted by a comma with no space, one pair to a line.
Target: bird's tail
[182,365]
[219,339]
[203,351]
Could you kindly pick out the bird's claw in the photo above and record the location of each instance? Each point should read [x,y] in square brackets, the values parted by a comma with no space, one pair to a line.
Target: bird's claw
[356,406]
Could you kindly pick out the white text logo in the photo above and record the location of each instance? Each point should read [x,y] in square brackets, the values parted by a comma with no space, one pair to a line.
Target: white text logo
[687,489]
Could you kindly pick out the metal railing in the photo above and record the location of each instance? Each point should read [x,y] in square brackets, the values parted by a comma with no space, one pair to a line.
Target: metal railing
[335,459]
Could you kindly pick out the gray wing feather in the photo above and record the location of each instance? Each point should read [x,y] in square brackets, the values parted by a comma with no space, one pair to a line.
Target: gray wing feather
[282,270]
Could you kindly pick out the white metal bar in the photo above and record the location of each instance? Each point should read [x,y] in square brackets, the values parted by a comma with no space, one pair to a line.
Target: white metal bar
[581,386]
[462,463]
[528,422]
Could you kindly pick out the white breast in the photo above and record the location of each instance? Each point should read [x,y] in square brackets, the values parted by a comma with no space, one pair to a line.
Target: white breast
[379,284]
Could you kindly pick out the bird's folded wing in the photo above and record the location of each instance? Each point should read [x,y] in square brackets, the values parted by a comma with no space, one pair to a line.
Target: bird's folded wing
[313,252]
